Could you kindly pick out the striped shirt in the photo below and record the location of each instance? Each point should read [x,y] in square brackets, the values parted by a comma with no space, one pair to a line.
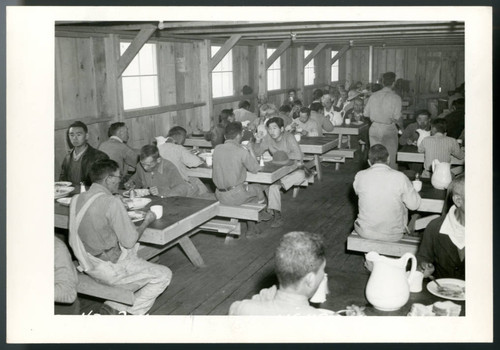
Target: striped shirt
[439,147]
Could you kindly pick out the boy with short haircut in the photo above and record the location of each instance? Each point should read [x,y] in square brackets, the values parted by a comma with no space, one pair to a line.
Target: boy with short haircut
[276,140]
[77,163]
[438,146]
[174,151]
[304,124]
[284,113]
[231,161]
[300,267]
[317,114]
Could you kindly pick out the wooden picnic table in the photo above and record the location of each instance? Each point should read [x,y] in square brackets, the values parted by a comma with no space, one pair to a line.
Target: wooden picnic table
[181,217]
[351,129]
[411,154]
[317,146]
[348,288]
[269,174]
[197,142]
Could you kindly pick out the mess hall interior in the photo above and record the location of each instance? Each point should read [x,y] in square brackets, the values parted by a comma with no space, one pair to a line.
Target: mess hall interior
[215,145]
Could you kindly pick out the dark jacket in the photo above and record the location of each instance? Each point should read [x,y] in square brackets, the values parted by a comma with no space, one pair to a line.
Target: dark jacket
[89,157]
[439,250]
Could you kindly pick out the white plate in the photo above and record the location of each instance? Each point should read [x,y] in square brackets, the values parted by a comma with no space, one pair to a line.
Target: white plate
[64,201]
[63,183]
[137,203]
[136,215]
[60,192]
[454,288]
[139,192]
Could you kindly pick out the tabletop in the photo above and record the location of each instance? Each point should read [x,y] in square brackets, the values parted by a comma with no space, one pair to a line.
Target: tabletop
[410,154]
[269,174]
[351,129]
[317,144]
[194,141]
[347,288]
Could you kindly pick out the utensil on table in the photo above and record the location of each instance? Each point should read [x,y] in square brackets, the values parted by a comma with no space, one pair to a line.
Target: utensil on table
[432,278]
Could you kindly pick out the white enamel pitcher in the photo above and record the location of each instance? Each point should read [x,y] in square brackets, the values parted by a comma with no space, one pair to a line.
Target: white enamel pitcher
[388,287]
[441,174]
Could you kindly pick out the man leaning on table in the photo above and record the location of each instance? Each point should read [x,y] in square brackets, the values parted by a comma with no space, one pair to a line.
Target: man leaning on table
[385,195]
[299,263]
[104,240]
[442,250]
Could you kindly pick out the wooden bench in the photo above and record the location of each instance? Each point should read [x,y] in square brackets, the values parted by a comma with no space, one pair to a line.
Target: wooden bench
[248,211]
[408,244]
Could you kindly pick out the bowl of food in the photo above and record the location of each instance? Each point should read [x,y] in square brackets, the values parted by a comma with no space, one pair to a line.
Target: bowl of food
[136,215]
[62,183]
[138,192]
[137,203]
[62,191]
[66,201]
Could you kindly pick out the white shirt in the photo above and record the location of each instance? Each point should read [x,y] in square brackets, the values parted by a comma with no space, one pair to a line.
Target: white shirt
[385,195]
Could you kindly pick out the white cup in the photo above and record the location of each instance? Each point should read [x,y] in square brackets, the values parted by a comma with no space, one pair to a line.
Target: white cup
[320,295]
[417,185]
[347,121]
[298,137]
[208,160]
[158,210]
[416,282]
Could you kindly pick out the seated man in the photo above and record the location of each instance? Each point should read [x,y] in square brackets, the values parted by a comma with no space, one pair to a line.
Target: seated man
[455,120]
[76,165]
[216,135]
[117,149]
[65,280]
[304,124]
[442,250]
[105,242]
[299,264]
[159,175]
[231,161]
[276,140]
[292,97]
[413,135]
[438,146]
[324,124]
[174,151]
[385,195]
[285,112]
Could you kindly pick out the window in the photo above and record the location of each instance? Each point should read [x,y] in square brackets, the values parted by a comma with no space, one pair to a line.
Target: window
[274,72]
[309,73]
[140,79]
[222,75]
[335,67]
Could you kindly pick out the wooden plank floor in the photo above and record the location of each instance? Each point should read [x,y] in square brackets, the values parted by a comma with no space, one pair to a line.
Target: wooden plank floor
[238,270]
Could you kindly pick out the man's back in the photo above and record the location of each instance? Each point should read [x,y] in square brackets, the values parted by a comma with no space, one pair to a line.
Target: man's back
[384,106]
[384,197]
[180,157]
[439,147]
[120,153]
[271,301]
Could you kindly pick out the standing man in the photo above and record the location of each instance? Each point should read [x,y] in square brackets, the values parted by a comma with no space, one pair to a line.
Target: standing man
[104,240]
[117,149]
[385,195]
[76,165]
[384,110]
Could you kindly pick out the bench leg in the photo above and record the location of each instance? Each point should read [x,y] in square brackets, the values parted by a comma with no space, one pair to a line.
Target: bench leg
[296,191]
[318,165]
[337,166]
[229,238]
[191,252]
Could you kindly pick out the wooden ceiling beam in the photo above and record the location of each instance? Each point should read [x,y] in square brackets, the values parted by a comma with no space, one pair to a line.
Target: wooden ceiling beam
[313,53]
[228,45]
[134,48]
[279,51]
[295,26]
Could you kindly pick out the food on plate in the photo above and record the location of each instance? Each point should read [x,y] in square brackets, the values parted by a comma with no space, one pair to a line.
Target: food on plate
[451,290]
[64,201]
[446,308]
[139,192]
[62,184]
[136,215]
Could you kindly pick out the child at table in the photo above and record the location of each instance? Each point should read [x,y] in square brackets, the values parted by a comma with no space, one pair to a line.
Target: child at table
[438,146]
[173,150]
[279,140]
[231,161]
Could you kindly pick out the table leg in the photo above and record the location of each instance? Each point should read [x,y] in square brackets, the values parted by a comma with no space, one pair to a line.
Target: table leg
[318,165]
[349,141]
[340,141]
[191,252]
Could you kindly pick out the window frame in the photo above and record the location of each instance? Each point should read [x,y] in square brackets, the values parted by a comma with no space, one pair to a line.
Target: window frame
[310,67]
[336,64]
[124,76]
[222,72]
[275,67]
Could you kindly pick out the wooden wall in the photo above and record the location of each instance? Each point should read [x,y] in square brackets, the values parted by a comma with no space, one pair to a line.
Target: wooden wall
[86,88]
